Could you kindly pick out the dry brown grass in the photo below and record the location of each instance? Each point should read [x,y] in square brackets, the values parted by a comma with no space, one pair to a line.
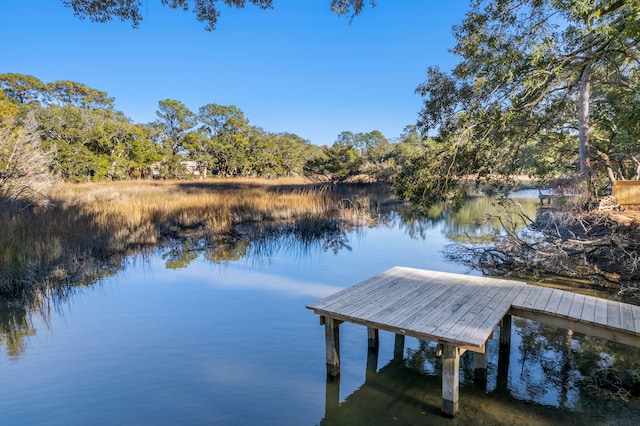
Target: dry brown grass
[83,226]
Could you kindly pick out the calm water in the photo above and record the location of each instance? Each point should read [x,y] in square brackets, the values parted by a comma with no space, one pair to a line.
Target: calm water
[223,338]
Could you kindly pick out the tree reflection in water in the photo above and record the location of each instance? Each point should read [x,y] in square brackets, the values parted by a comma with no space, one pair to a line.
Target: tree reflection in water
[549,366]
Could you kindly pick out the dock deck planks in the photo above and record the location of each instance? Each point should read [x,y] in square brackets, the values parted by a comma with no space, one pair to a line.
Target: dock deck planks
[430,305]
[463,310]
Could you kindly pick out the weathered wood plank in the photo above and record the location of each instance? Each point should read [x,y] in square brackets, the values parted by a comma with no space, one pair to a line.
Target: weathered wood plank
[364,286]
[565,304]
[600,316]
[463,310]
[522,296]
[543,299]
[591,329]
[636,318]
[554,300]
[358,305]
[440,324]
[414,309]
[418,288]
[491,317]
[576,306]
[626,317]
[474,330]
[372,284]
[387,296]
[409,302]
[432,304]
[589,309]
[458,297]
[470,324]
[368,297]
[531,299]
[613,314]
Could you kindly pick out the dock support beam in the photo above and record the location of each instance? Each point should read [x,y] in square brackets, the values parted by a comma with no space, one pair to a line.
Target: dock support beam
[373,337]
[504,353]
[372,353]
[505,334]
[480,363]
[450,379]
[332,338]
[398,348]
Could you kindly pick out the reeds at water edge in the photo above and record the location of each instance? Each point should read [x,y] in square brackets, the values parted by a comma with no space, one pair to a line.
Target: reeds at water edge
[81,228]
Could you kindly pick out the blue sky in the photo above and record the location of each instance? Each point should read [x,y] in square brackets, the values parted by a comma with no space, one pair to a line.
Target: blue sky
[296,68]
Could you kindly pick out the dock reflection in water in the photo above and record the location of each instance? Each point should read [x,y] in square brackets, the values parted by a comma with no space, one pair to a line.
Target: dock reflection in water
[407,389]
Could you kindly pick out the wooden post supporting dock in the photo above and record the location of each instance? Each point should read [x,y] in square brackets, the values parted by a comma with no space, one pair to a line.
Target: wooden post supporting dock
[505,334]
[332,338]
[450,379]
[373,337]
[460,312]
[480,363]
[398,347]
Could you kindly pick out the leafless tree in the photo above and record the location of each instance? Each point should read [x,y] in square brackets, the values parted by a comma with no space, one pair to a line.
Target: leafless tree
[24,163]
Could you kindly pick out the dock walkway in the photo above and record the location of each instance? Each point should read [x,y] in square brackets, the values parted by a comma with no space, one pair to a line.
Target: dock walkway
[460,312]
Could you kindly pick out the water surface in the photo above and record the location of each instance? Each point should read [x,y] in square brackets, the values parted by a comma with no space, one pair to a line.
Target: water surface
[223,338]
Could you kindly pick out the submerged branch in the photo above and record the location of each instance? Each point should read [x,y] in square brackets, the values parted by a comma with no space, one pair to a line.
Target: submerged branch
[588,246]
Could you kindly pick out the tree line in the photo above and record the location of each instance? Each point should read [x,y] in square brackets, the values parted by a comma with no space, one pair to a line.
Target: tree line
[542,88]
[87,138]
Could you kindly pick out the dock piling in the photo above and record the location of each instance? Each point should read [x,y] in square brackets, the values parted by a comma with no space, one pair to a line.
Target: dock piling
[332,338]
[480,363]
[450,379]
[398,347]
[373,337]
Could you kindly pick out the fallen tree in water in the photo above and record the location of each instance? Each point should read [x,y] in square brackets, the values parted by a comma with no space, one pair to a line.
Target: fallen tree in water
[591,246]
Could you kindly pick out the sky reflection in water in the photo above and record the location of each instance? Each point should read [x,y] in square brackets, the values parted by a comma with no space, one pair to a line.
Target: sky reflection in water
[230,342]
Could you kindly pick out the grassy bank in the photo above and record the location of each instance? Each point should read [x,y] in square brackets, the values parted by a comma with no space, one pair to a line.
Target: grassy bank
[73,237]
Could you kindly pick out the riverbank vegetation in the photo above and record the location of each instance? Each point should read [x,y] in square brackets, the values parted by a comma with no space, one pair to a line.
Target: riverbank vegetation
[77,232]
[90,141]
[541,89]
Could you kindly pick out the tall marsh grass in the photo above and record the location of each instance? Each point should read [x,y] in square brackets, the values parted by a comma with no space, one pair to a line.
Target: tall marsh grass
[83,227]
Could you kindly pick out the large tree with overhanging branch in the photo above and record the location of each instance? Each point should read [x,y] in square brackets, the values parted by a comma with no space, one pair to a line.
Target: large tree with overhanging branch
[542,87]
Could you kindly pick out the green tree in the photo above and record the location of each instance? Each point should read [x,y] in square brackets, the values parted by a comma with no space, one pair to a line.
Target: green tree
[8,109]
[291,152]
[343,157]
[524,88]
[176,120]
[228,130]
[72,93]
[205,10]
[23,89]
[374,146]
[91,140]
[273,154]
[95,144]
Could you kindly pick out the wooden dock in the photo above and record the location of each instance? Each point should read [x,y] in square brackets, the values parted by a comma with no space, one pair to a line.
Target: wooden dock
[460,312]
